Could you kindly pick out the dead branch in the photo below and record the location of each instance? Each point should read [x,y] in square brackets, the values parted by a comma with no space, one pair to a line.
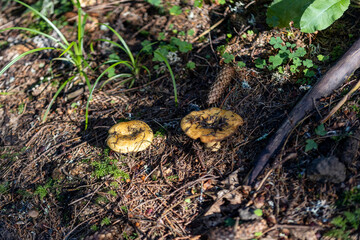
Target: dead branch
[332,80]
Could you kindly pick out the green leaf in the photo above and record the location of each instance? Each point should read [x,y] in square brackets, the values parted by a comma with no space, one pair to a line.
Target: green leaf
[300,52]
[297,61]
[320,57]
[308,63]
[321,14]
[310,145]
[175,10]
[309,73]
[258,212]
[190,65]
[228,58]
[156,3]
[320,130]
[260,63]
[281,12]
[190,32]
[276,42]
[146,46]
[339,221]
[276,60]
[182,45]
[158,53]
[198,3]
[241,64]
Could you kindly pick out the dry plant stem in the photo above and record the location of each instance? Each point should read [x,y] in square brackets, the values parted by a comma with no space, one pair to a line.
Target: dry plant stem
[342,101]
[209,30]
[326,85]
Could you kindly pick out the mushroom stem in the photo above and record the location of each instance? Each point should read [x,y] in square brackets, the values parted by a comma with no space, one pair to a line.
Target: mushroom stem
[214,146]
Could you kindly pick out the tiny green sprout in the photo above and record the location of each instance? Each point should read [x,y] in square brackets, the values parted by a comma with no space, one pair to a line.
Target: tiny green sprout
[112,193]
[276,42]
[175,10]
[190,32]
[228,57]
[198,3]
[161,36]
[222,2]
[94,227]
[308,63]
[229,35]
[258,234]
[105,221]
[114,184]
[190,65]
[310,145]
[258,212]
[320,130]
[147,48]
[21,108]
[241,64]
[250,32]
[124,209]
[187,200]
[183,46]
[260,63]
[320,57]
[244,35]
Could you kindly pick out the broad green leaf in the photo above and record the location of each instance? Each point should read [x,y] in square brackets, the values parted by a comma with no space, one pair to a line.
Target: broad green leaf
[276,60]
[321,14]
[320,130]
[258,212]
[310,145]
[281,12]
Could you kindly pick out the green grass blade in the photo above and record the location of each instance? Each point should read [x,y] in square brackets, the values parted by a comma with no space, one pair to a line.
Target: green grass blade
[32,31]
[113,43]
[46,20]
[127,49]
[64,59]
[91,93]
[172,76]
[55,96]
[146,69]
[82,73]
[21,56]
[139,54]
[121,75]
[67,49]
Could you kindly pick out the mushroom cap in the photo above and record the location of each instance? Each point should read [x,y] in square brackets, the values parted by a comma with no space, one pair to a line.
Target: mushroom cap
[132,136]
[211,125]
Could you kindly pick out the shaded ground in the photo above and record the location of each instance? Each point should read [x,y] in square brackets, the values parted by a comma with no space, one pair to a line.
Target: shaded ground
[59,181]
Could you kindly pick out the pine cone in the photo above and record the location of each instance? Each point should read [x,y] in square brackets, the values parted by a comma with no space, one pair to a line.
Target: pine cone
[112,233]
[222,81]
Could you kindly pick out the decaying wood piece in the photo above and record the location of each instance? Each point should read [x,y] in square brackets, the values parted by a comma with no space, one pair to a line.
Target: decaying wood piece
[332,80]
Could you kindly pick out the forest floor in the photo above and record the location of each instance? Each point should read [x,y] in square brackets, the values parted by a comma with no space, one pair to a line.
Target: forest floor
[59,180]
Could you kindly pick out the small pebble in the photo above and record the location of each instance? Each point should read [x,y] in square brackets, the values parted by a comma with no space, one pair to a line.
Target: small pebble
[33,213]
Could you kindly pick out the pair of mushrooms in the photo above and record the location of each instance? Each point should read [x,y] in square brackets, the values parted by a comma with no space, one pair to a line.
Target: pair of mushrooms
[211,126]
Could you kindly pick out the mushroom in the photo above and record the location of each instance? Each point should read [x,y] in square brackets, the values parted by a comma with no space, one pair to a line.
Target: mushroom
[132,136]
[211,126]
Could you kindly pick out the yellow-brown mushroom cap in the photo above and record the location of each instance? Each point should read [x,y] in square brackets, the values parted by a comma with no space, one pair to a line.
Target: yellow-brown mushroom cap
[211,125]
[132,136]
